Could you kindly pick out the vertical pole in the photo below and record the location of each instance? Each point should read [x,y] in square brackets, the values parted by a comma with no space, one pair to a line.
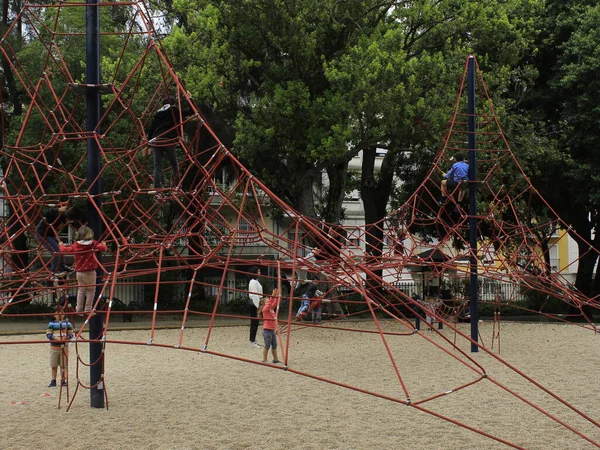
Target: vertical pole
[418,311]
[96,322]
[473,306]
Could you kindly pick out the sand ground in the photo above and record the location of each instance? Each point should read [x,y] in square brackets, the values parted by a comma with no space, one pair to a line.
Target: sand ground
[170,398]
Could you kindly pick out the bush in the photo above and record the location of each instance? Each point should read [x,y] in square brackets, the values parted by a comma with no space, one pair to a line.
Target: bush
[354,308]
[237,306]
[506,309]
[30,308]
[540,302]
[119,306]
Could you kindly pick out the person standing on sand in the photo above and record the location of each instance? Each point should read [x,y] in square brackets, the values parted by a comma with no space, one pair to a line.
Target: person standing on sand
[255,292]
[267,313]
[58,332]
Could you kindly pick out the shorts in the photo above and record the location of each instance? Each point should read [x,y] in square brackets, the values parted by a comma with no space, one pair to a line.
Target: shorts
[452,183]
[58,357]
[270,338]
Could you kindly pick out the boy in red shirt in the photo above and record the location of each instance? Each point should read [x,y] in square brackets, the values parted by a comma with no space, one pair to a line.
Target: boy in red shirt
[86,263]
[269,326]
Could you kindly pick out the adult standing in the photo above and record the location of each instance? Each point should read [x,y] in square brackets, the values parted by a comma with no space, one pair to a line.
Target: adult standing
[255,292]
[312,255]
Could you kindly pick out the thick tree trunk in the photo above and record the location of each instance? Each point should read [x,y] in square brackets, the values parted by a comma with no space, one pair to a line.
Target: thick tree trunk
[595,278]
[304,195]
[306,200]
[337,174]
[585,282]
[375,193]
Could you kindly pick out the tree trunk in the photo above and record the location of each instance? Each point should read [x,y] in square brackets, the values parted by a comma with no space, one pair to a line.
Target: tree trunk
[375,193]
[583,280]
[585,274]
[337,174]
[304,192]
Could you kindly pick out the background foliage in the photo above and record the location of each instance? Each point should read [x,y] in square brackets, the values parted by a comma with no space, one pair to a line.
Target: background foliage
[299,87]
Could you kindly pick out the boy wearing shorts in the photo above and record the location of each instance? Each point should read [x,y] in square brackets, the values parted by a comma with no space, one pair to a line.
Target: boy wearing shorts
[59,330]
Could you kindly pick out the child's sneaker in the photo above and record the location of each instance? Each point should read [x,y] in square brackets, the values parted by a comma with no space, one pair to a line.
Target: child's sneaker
[52,383]
[64,383]
[276,361]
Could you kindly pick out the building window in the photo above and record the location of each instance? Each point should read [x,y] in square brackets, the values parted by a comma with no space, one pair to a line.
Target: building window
[554,259]
[293,238]
[247,234]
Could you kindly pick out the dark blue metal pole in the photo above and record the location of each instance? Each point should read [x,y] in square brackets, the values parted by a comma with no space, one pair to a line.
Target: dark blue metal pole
[473,306]
[94,187]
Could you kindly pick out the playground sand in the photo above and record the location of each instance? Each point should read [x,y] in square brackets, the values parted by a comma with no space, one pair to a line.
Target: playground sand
[168,398]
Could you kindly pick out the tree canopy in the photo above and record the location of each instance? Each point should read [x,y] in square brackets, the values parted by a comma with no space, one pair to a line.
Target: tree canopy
[561,107]
[303,86]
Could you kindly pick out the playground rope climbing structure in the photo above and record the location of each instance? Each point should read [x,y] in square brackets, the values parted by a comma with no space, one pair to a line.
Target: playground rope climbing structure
[202,233]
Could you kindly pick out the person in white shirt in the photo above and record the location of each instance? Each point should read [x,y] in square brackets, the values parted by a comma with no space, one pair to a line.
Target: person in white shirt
[255,292]
[312,255]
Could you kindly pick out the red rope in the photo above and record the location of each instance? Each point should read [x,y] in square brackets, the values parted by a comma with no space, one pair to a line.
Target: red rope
[163,238]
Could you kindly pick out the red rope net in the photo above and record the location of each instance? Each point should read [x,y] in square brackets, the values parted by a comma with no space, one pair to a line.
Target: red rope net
[216,221]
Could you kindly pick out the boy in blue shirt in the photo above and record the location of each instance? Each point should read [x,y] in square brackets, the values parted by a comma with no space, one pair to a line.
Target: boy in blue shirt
[458,173]
[59,330]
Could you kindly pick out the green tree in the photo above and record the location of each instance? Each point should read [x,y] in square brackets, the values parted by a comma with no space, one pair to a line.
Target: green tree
[10,95]
[402,82]
[263,65]
[10,91]
[49,60]
[307,85]
[562,108]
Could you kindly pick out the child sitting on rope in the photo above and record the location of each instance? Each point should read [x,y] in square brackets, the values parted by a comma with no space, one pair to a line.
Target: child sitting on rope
[46,232]
[311,301]
[267,313]
[58,332]
[458,174]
